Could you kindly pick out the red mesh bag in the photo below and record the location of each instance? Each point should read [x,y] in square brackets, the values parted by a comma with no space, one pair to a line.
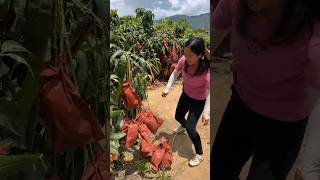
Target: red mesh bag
[166,161]
[156,159]
[147,148]
[152,122]
[68,118]
[131,127]
[144,132]
[168,157]
[98,169]
[130,97]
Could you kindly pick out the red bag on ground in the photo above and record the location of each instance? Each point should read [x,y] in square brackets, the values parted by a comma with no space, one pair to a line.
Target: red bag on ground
[68,118]
[152,122]
[130,97]
[168,157]
[166,161]
[156,159]
[131,127]
[147,148]
[144,132]
[99,169]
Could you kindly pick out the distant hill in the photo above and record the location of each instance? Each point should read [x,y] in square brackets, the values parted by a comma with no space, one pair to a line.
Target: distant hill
[201,21]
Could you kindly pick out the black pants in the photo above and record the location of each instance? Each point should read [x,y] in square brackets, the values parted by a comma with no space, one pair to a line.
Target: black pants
[243,133]
[195,108]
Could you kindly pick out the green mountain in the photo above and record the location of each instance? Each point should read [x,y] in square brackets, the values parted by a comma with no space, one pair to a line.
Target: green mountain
[201,21]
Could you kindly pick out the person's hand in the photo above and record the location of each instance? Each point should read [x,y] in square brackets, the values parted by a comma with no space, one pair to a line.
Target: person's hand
[205,121]
[165,93]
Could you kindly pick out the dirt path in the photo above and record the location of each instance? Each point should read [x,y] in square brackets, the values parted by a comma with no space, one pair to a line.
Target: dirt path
[182,146]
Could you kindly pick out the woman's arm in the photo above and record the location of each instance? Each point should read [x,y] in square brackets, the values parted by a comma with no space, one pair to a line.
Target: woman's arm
[206,110]
[174,75]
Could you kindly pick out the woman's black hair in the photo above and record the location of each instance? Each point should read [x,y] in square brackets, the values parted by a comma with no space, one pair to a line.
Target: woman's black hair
[299,15]
[197,46]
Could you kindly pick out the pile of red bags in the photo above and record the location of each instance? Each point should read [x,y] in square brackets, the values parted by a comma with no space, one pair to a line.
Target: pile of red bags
[152,122]
[145,124]
[68,118]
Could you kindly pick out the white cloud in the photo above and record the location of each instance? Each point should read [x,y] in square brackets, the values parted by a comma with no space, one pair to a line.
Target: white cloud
[186,7]
[162,8]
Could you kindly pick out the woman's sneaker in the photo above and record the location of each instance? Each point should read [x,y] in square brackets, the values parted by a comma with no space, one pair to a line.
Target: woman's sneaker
[180,130]
[196,160]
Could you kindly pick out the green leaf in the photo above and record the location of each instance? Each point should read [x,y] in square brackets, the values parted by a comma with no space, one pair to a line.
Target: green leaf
[116,113]
[114,147]
[117,136]
[11,46]
[116,54]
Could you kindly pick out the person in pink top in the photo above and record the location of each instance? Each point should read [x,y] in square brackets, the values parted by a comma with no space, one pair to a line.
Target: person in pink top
[195,98]
[276,49]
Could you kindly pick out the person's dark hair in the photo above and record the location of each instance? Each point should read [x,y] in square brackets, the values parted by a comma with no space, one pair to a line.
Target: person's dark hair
[299,15]
[197,46]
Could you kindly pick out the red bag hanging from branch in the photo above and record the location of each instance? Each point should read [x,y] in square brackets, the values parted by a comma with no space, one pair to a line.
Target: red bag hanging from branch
[68,118]
[130,97]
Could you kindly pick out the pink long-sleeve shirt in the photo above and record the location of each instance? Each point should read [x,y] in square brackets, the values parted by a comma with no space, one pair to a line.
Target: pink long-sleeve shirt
[273,81]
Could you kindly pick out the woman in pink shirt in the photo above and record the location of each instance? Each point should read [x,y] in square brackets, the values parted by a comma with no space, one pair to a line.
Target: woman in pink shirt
[195,98]
[276,49]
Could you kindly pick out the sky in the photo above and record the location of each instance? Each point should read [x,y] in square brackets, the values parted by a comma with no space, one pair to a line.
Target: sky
[162,8]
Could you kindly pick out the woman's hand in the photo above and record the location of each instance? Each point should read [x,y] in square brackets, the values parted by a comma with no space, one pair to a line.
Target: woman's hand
[165,93]
[205,121]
